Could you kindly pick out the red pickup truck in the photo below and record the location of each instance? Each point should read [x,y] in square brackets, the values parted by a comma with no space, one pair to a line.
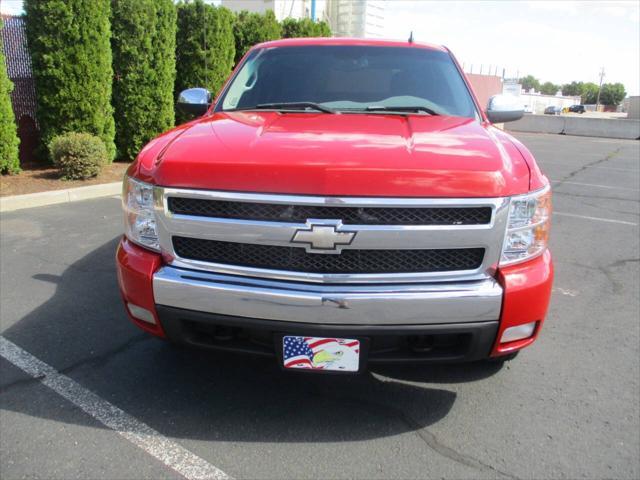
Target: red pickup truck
[341,202]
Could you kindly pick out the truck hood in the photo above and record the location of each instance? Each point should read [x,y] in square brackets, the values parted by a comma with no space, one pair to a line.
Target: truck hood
[342,154]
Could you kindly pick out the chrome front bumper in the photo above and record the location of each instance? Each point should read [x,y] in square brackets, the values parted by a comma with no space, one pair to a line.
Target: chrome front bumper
[375,304]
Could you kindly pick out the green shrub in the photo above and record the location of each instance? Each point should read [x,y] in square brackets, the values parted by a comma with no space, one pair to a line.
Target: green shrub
[69,41]
[252,28]
[78,155]
[205,47]
[612,94]
[304,27]
[9,161]
[143,45]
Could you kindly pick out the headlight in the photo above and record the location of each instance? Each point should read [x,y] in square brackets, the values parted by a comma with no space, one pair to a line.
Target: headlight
[139,215]
[528,226]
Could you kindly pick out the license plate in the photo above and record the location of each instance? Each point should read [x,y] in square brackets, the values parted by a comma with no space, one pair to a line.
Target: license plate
[319,353]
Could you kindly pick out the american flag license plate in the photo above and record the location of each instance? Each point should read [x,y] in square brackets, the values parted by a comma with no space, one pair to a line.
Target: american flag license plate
[319,353]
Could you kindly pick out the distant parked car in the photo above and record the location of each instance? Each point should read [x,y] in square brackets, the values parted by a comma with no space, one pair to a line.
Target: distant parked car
[577,109]
[551,110]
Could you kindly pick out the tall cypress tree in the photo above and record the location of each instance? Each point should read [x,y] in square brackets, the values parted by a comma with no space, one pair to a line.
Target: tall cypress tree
[9,162]
[304,27]
[144,66]
[251,28]
[70,49]
[205,46]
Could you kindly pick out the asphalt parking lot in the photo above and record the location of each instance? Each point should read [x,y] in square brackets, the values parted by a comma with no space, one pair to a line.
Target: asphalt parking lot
[567,407]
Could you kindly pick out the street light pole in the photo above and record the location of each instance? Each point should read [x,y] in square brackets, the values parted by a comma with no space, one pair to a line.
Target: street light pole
[600,88]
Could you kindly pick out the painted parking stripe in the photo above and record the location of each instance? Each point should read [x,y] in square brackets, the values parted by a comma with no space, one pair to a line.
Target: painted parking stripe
[599,219]
[573,165]
[595,185]
[143,436]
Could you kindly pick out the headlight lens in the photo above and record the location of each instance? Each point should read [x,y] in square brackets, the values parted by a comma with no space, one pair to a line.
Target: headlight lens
[528,226]
[139,215]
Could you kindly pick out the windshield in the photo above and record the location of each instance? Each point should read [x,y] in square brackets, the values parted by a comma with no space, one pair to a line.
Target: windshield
[350,79]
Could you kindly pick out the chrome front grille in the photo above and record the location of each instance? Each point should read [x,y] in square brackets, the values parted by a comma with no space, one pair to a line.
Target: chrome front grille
[386,240]
[349,215]
[349,261]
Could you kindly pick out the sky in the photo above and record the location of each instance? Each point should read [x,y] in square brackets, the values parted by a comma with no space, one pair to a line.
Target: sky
[553,40]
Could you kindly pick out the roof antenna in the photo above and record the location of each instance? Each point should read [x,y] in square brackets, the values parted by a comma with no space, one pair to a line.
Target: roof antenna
[411,37]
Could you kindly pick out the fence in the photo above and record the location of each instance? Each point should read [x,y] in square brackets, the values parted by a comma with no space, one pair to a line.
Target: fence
[23,97]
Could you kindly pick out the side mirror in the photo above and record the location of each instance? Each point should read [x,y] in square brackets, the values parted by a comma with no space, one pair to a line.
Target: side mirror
[504,108]
[194,101]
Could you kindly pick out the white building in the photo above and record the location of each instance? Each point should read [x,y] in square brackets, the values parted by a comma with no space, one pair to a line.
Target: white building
[314,9]
[535,102]
[347,18]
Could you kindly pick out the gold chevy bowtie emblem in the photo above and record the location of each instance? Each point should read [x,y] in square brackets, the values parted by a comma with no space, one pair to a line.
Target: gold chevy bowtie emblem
[323,237]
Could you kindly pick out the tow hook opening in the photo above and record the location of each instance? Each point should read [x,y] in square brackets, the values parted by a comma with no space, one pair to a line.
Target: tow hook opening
[439,343]
[421,343]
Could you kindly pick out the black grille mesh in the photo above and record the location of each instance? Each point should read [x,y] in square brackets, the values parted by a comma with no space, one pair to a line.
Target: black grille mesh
[348,215]
[348,261]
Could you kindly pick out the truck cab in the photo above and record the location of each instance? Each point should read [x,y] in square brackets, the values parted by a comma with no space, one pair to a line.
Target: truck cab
[341,202]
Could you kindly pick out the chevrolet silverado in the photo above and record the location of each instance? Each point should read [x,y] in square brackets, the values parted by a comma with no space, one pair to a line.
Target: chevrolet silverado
[341,202]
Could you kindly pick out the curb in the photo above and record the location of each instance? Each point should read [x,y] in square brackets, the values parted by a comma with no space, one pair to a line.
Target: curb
[52,197]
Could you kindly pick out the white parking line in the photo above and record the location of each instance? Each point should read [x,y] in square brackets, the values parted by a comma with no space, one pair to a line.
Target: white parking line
[143,436]
[595,185]
[574,165]
[608,220]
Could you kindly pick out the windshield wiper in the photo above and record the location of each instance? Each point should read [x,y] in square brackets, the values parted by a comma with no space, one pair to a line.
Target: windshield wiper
[412,108]
[293,106]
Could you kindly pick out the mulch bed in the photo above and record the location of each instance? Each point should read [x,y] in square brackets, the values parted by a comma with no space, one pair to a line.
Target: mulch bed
[41,178]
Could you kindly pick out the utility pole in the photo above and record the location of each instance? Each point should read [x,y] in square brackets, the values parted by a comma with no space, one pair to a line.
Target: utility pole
[600,88]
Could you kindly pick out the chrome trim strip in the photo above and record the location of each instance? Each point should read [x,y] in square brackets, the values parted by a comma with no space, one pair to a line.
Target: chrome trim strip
[336,278]
[368,237]
[330,200]
[347,305]
[371,237]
